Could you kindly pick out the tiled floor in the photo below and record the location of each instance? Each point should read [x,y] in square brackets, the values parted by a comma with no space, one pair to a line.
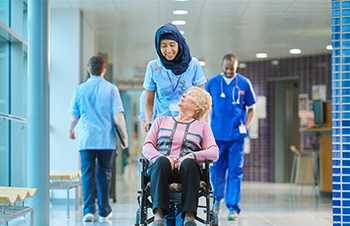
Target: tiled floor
[262,204]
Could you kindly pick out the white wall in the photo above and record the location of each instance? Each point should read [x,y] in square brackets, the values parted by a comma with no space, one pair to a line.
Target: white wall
[71,46]
[64,78]
[88,46]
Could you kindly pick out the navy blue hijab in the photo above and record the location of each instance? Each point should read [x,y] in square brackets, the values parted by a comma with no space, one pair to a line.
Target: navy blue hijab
[180,63]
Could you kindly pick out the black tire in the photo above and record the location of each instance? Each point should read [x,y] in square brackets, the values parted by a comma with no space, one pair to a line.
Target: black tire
[138,218]
[214,219]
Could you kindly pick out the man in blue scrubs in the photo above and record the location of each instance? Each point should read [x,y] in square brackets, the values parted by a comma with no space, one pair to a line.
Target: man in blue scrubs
[96,105]
[233,108]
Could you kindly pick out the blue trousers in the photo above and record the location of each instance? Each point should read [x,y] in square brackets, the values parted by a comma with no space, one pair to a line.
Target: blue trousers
[231,160]
[104,176]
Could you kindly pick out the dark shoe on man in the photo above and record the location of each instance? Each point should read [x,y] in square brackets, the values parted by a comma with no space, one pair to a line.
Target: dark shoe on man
[159,222]
[189,222]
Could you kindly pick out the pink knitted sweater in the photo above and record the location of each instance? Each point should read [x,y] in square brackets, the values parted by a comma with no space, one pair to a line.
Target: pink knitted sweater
[167,137]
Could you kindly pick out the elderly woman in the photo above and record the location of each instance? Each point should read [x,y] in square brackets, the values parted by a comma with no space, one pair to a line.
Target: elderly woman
[176,146]
[170,75]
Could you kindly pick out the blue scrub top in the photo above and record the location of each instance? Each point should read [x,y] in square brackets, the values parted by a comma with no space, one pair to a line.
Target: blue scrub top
[157,78]
[227,117]
[95,102]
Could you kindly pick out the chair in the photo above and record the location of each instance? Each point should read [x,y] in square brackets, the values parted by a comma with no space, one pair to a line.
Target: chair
[305,153]
[8,198]
[66,179]
[145,202]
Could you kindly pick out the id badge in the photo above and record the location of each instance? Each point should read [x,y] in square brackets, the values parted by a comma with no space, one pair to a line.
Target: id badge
[242,129]
[174,107]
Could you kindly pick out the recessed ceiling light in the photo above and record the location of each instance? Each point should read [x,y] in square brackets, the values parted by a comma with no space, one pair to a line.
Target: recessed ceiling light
[202,63]
[261,55]
[295,51]
[180,12]
[181,0]
[182,32]
[329,47]
[178,22]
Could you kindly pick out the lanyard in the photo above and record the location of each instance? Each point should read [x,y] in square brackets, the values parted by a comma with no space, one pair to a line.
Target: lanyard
[174,88]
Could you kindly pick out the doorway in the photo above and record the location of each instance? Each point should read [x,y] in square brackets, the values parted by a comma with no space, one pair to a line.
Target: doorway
[286,125]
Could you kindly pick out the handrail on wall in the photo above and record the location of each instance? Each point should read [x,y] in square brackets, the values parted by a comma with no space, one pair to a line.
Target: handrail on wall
[12,117]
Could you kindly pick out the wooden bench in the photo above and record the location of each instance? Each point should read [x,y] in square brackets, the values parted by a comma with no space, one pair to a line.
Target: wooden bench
[8,198]
[66,179]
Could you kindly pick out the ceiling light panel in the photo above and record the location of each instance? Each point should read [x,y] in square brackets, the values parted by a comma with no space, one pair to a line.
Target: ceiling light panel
[178,22]
[295,51]
[261,55]
[180,12]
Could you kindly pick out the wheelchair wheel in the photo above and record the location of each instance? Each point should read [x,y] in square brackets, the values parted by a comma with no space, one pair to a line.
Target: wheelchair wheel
[214,219]
[138,218]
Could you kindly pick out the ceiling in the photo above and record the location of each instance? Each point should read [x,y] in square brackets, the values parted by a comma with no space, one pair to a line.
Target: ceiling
[125,28]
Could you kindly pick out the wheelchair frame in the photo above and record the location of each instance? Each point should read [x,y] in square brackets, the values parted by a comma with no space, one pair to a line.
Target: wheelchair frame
[144,201]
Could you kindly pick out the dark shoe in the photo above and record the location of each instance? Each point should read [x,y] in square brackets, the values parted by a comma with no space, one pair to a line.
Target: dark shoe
[158,222]
[189,222]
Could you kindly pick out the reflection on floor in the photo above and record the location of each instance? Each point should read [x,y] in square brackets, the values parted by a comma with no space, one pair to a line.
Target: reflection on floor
[262,204]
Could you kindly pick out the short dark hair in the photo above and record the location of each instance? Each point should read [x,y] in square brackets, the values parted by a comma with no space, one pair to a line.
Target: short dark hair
[97,64]
[229,57]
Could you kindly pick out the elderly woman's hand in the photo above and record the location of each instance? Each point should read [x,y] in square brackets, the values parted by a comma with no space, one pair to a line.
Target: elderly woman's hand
[178,164]
[173,161]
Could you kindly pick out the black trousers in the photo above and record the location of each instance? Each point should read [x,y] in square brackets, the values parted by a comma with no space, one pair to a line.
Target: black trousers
[161,175]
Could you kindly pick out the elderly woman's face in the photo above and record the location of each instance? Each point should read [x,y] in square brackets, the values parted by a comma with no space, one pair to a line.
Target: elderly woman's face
[189,99]
[169,49]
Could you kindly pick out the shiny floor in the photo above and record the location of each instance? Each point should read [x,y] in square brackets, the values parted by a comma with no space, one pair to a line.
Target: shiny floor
[262,204]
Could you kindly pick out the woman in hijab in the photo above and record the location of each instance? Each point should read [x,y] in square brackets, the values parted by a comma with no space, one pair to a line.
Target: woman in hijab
[171,75]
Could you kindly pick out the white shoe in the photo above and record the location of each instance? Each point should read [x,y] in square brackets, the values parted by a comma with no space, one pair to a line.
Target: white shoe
[88,217]
[107,217]
[232,215]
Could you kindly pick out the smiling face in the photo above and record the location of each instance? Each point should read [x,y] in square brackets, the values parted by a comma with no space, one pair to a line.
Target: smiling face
[230,68]
[169,49]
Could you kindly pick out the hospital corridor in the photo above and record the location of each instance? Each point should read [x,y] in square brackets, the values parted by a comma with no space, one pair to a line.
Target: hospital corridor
[258,89]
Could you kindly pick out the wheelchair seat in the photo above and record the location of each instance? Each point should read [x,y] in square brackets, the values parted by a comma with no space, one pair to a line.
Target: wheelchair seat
[205,190]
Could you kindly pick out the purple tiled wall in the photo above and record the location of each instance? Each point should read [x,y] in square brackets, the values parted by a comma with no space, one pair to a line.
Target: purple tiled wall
[311,70]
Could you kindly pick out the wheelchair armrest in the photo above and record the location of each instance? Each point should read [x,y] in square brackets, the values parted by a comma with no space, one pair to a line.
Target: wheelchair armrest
[208,163]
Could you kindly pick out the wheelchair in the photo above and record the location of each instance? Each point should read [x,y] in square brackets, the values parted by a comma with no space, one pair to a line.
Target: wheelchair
[145,203]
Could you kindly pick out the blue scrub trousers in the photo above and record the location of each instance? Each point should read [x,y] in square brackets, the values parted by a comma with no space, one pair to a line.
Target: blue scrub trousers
[231,159]
[104,176]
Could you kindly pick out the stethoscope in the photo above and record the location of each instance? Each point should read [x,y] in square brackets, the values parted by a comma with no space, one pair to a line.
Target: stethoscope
[222,95]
